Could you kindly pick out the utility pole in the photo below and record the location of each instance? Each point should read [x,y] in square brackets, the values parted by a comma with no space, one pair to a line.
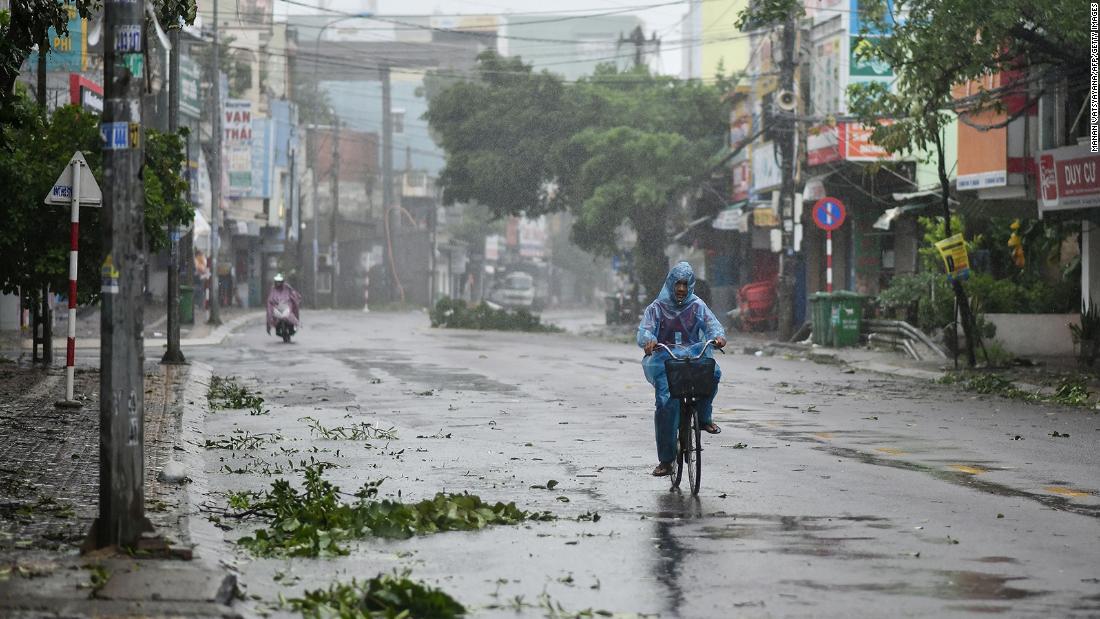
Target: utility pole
[315,142]
[43,49]
[289,218]
[334,247]
[174,355]
[388,201]
[216,179]
[45,316]
[638,40]
[121,518]
[785,135]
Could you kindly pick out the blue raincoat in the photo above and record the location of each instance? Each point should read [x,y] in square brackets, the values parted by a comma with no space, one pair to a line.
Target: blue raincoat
[683,327]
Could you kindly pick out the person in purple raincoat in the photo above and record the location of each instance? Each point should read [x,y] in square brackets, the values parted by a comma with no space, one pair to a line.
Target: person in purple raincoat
[281,293]
[683,322]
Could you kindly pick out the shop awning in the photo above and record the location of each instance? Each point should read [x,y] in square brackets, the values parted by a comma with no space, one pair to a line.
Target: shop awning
[731,218]
[687,229]
[887,218]
[201,227]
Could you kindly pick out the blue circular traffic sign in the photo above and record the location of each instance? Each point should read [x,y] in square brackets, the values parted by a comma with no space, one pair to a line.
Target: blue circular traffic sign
[829,213]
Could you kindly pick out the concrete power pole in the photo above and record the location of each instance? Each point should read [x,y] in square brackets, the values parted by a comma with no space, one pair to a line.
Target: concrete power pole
[389,206]
[121,518]
[785,135]
[315,147]
[45,315]
[216,179]
[174,355]
[334,248]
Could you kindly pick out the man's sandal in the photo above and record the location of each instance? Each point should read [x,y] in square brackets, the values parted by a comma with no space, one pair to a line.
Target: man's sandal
[663,470]
[712,428]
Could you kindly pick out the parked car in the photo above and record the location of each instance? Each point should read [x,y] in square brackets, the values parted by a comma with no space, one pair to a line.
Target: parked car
[516,290]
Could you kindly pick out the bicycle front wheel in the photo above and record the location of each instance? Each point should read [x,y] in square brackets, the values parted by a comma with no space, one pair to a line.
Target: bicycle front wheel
[683,443]
[693,451]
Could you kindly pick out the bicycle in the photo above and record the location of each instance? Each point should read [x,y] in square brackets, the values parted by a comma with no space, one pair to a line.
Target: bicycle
[690,379]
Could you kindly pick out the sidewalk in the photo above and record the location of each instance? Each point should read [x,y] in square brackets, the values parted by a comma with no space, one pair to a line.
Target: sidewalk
[1035,376]
[49,485]
[1040,375]
[17,345]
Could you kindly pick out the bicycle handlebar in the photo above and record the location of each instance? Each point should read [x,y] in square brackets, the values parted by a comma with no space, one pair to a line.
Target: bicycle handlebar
[699,356]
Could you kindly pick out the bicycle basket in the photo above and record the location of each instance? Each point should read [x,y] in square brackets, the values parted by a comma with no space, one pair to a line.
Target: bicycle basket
[691,378]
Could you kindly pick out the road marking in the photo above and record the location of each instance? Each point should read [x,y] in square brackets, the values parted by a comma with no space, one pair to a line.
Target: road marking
[964,468]
[893,451]
[1062,490]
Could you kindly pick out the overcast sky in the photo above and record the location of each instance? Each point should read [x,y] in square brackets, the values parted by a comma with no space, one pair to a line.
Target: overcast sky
[664,20]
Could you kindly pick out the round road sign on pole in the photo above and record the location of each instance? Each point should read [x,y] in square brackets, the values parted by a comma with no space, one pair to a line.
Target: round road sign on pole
[829,213]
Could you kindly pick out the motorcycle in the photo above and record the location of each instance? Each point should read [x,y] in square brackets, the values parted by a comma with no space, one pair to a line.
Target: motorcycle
[284,321]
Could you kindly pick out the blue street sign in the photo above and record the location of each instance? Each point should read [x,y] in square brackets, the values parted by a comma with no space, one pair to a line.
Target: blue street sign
[116,136]
[829,213]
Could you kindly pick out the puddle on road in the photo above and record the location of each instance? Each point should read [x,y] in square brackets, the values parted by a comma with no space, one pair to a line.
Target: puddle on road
[437,377]
[1060,497]
[949,585]
[965,479]
[800,535]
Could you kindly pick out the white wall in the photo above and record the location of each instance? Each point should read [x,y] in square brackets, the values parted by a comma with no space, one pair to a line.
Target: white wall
[9,312]
[1090,261]
[1038,335]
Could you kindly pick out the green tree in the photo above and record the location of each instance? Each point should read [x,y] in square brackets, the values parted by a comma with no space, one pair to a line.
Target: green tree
[617,147]
[34,239]
[27,24]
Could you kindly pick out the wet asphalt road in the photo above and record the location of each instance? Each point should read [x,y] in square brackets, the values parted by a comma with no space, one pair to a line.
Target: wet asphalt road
[826,494]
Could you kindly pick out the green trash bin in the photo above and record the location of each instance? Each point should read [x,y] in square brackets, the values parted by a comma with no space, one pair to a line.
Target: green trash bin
[821,304]
[187,305]
[845,318]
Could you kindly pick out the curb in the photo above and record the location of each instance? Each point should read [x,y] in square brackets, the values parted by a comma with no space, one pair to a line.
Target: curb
[218,336]
[213,339]
[202,535]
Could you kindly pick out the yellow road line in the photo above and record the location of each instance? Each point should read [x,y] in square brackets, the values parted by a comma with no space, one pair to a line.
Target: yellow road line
[965,468]
[1062,490]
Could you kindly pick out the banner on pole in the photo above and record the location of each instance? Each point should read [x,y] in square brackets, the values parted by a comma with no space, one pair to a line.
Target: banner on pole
[955,259]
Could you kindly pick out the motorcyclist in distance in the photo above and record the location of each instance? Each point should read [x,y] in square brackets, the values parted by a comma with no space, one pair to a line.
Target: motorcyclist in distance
[281,293]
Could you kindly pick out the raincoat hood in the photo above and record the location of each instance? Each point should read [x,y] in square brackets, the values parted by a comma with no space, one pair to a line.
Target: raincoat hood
[680,272]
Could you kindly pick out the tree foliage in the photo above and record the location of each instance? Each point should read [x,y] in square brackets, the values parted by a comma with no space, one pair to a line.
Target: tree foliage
[34,238]
[617,147]
[27,23]
[939,44]
[24,26]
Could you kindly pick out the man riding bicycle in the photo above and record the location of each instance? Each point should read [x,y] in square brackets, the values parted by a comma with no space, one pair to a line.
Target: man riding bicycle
[677,319]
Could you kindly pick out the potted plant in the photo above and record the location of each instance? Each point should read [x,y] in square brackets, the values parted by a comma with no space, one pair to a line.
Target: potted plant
[1086,336]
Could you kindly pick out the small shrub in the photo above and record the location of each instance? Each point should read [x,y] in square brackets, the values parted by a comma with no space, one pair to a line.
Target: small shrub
[316,521]
[456,314]
[383,596]
[226,392]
